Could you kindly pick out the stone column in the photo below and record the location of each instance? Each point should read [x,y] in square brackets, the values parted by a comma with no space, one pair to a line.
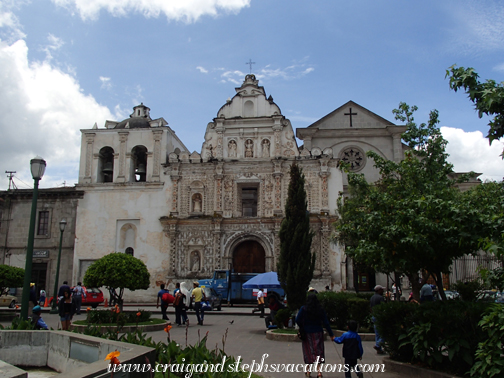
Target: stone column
[218,188]
[324,175]
[277,175]
[156,164]
[123,138]
[398,154]
[89,157]
[174,205]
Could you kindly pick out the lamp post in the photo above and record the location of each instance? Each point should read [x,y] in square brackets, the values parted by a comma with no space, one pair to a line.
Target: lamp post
[37,165]
[62,225]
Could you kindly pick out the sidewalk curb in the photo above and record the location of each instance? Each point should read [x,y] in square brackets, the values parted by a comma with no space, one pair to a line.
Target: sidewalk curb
[408,370]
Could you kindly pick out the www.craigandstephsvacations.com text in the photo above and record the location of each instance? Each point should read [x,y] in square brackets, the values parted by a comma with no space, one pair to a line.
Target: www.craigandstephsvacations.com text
[190,369]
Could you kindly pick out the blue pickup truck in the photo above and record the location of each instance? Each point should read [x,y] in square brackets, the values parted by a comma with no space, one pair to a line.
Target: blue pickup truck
[228,285]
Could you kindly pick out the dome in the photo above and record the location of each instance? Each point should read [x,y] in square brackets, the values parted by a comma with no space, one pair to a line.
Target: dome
[134,123]
[139,119]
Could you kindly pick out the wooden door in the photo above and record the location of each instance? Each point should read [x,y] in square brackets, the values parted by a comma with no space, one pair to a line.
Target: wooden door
[249,257]
[363,281]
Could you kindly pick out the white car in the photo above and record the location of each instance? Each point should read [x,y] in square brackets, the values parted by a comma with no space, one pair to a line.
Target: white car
[7,300]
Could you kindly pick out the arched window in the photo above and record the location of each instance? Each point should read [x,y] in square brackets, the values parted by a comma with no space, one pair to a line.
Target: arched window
[138,164]
[106,165]
[129,251]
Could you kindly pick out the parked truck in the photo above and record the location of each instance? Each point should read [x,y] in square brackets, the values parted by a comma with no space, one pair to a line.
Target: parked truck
[228,285]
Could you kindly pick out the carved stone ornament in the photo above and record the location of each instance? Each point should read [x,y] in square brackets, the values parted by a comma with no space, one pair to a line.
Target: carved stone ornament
[354,157]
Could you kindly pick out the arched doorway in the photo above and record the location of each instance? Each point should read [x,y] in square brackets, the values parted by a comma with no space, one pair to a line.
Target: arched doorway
[249,257]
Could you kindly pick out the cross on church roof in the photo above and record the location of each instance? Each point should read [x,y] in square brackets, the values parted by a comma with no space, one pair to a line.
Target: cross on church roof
[250,64]
[350,114]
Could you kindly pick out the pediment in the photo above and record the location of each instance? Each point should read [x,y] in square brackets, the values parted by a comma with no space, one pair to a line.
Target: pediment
[350,116]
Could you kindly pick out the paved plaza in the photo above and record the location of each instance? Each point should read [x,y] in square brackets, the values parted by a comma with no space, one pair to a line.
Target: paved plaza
[244,336]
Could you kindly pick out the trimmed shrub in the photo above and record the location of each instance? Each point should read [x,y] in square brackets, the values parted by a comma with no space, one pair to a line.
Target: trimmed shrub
[344,306]
[441,335]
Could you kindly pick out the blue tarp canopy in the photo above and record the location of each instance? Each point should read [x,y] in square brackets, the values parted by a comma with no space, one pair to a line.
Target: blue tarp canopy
[263,281]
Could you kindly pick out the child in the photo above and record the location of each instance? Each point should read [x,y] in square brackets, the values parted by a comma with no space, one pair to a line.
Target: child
[352,348]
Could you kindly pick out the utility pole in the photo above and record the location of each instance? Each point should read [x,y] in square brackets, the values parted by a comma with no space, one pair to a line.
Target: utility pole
[11,181]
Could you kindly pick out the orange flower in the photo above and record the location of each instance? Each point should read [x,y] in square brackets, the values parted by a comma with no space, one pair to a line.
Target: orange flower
[113,357]
[17,307]
[139,313]
[88,309]
[168,328]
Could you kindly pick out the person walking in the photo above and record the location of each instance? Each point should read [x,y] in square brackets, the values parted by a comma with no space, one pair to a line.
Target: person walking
[78,293]
[310,319]
[164,304]
[63,288]
[376,300]
[260,303]
[66,309]
[42,297]
[426,294]
[352,348]
[179,304]
[199,295]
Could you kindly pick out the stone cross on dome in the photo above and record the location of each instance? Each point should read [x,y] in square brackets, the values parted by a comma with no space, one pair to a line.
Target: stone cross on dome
[250,64]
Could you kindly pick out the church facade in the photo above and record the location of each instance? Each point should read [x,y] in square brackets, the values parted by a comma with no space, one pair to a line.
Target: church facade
[186,214]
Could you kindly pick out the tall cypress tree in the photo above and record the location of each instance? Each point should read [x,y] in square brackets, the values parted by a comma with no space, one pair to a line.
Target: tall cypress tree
[296,263]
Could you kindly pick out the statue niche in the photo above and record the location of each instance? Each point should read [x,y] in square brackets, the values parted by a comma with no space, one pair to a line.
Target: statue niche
[196,203]
[195,261]
[249,148]
[232,149]
[265,148]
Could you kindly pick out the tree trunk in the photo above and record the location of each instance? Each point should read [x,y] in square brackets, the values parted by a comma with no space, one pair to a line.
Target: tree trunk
[439,282]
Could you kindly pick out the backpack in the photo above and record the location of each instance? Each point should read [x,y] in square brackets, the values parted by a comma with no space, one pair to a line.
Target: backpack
[167,298]
[178,298]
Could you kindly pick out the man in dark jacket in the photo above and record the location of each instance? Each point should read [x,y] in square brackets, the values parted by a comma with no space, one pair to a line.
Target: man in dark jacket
[376,300]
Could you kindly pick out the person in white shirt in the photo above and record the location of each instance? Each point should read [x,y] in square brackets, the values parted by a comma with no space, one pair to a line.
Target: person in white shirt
[260,303]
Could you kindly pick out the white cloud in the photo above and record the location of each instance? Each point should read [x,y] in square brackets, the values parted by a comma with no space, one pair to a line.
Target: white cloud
[10,28]
[499,67]
[55,44]
[106,83]
[185,10]
[480,26]
[42,110]
[470,151]
[201,69]
[291,72]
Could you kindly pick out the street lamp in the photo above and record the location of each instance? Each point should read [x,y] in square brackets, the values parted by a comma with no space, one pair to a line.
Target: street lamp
[62,225]
[37,165]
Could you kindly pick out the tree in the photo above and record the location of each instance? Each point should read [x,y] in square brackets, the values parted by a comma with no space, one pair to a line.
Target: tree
[412,219]
[296,263]
[486,202]
[10,276]
[118,270]
[488,97]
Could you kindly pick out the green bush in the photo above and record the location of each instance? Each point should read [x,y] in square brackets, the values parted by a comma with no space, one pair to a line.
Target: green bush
[468,290]
[358,310]
[113,317]
[344,306]
[442,335]
[282,317]
[393,320]
[489,360]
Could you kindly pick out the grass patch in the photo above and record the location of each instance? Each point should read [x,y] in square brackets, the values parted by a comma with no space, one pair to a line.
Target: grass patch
[150,322]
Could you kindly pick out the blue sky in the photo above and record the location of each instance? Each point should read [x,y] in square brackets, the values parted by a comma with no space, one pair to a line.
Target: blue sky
[67,64]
